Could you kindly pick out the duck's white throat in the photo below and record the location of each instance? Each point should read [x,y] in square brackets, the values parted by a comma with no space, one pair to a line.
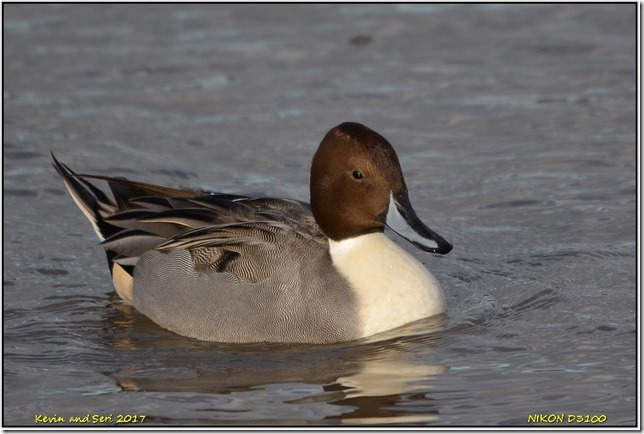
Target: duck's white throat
[392,287]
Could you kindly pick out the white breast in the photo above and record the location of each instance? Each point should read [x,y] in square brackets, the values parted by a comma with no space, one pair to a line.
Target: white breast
[392,287]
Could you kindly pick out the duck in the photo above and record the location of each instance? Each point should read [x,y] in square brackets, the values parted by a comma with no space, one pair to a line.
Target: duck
[243,269]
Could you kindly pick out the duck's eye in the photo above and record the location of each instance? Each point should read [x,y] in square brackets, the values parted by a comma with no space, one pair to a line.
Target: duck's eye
[357,174]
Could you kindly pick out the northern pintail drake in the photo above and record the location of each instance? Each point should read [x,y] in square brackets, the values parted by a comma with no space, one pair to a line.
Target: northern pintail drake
[230,268]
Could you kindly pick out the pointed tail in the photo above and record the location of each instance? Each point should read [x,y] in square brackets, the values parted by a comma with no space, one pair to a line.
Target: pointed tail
[92,202]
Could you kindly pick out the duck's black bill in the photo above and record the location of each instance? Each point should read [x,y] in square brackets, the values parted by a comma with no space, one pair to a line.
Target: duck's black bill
[402,219]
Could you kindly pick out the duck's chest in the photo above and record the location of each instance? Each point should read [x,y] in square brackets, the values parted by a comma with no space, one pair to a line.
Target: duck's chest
[392,288]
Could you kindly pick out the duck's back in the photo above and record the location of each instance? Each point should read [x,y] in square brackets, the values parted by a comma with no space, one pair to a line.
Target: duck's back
[219,267]
[261,273]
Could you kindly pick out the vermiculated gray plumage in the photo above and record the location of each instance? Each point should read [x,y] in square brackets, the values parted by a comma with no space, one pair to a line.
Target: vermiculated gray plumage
[221,267]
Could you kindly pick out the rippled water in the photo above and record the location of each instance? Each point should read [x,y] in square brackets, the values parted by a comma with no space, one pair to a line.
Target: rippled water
[515,127]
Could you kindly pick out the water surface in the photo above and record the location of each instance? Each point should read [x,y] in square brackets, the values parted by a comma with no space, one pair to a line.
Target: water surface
[515,127]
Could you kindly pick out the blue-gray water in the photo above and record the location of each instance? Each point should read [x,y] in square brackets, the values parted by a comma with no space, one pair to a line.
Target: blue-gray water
[515,127]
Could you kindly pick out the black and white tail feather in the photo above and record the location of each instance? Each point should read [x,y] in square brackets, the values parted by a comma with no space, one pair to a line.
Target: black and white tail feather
[223,232]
